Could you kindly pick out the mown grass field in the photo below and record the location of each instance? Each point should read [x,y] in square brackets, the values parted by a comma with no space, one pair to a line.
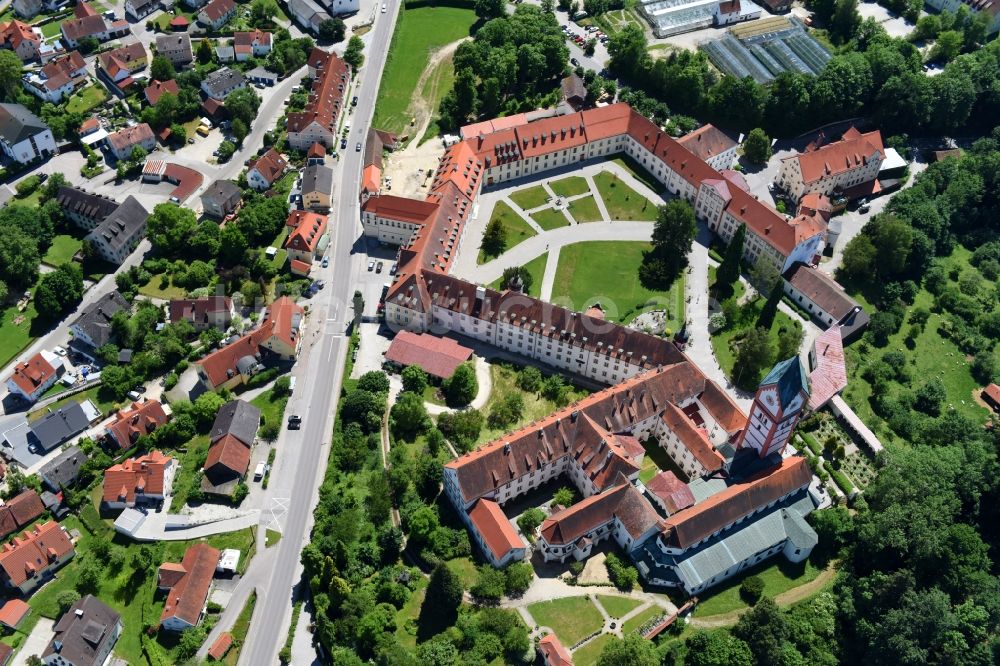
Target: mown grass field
[86,99]
[517,229]
[571,618]
[589,653]
[62,250]
[550,219]
[419,31]
[585,209]
[778,576]
[621,201]
[536,268]
[618,606]
[569,186]
[532,197]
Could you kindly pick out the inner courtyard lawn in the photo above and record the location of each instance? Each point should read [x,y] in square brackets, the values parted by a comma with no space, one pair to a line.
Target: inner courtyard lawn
[618,606]
[571,618]
[589,653]
[549,219]
[569,186]
[529,198]
[517,229]
[419,31]
[585,209]
[608,272]
[621,201]
[536,268]
[722,340]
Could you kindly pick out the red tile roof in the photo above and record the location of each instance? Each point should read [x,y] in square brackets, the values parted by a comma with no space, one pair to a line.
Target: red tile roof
[179,21]
[169,574]
[198,310]
[33,552]
[221,646]
[852,151]
[145,474]
[496,530]
[326,96]
[187,597]
[623,502]
[707,142]
[306,230]
[216,9]
[32,373]
[554,653]
[271,165]
[229,453]
[437,356]
[13,612]
[392,207]
[20,512]
[126,58]
[15,32]
[693,438]
[130,136]
[735,502]
[992,394]
[673,492]
[156,89]
[142,418]
[248,39]
[89,125]
[82,9]
[821,289]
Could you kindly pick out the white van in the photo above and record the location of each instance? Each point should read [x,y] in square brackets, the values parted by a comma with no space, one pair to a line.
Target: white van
[291,385]
[258,473]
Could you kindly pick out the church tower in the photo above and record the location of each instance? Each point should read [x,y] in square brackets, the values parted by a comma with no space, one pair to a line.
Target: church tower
[776,408]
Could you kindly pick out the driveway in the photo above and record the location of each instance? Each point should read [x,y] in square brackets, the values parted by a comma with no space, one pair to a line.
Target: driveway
[35,643]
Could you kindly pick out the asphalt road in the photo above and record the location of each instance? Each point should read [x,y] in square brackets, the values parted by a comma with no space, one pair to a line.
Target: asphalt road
[302,457]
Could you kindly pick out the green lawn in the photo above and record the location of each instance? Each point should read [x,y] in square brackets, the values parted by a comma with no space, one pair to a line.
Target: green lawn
[17,331]
[188,476]
[86,99]
[536,268]
[640,619]
[778,576]
[406,617]
[722,340]
[91,394]
[621,201]
[608,272]
[550,219]
[517,229]
[585,209]
[271,537]
[418,32]
[504,379]
[618,606]
[588,654]
[529,198]
[465,569]
[570,186]
[239,630]
[159,286]
[640,173]
[571,618]
[51,29]
[272,408]
[62,250]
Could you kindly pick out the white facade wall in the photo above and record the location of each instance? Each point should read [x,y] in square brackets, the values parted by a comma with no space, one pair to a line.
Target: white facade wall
[791,179]
[39,146]
[808,304]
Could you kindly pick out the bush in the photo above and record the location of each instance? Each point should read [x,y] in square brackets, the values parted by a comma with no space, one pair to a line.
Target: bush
[170,381]
[752,589]
[622,575]
[28,185]
[282,386]
[530,520]
[240,493]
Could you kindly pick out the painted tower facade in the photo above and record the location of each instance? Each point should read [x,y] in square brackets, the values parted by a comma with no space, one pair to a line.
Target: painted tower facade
[776,408]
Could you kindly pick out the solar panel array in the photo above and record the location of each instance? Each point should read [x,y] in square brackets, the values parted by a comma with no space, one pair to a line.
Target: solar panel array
[765,54]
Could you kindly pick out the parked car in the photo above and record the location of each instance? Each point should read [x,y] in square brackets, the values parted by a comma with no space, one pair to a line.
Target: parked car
[357,148]
[371,266]
[574,62]
[343,143]
[294,422]
[383,8]
[59,351]
[354,100]
[378,267]
[326,262]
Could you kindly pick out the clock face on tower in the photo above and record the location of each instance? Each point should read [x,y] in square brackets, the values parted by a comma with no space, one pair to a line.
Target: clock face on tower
[770,401]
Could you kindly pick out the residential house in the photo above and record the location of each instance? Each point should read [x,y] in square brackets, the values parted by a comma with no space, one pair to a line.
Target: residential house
[57,79]
[33,557]
[157,89]
[175,47]
[203,313]
[118,65]
[143,481]
[317,155]
[87,22]
[187,585]
[58,427]
[221,199]
[140,9]
[376,144]
[20,38]
[841,166]
[84,635]
[217,13]
[574,91]
[318,121]
[93,326]
[139,420]
[50,50]
[308,14]
[232,438]
[221,82]
[277,338]
[253,44]
[20,511]
[825,300]
[63,470]
[23,137]
[225,53]
[6,654]
[13,613]
[711,145]
[337,7]
[307,239]
[266,169]
[317,187]
[195,4]
[35,376]
[118,235]
[553,652]
[27,9]
[122,142]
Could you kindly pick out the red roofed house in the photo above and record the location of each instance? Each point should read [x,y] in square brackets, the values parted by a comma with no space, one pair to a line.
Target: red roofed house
[711,145]
[147,479]
[991,395]
[21,38]
[141,419]
[187,587]
[278,335]
[438,357]
[829,374]
[670,493]
[553,652]
[33,557]
[855,159]
[58,79]
[117,66]
[253,44]
[124,140]
[13,613]
[317,122]
[35,376]
[86,22]
[19,512]
[221,646]
[266,169]
[156,89]
[203,313]
[216,13]
[307,239]
[233,433]
[496,536]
